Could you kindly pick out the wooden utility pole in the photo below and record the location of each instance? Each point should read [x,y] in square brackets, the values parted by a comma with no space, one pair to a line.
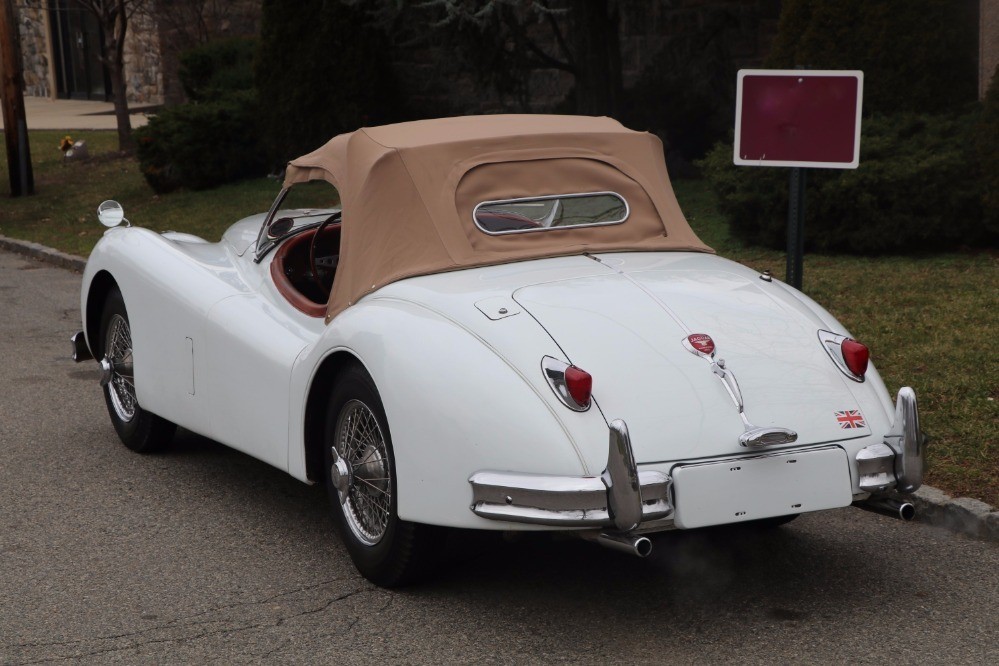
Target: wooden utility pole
[22,180]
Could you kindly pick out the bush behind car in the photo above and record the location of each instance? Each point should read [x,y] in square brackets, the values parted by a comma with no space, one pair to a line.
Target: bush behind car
[918,187]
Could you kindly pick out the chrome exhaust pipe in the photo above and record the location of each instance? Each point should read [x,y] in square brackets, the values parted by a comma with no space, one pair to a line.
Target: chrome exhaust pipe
[627,543]
[889,507]
[81,352]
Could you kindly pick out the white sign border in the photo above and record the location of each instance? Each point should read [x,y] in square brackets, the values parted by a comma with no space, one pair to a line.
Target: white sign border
[743,73]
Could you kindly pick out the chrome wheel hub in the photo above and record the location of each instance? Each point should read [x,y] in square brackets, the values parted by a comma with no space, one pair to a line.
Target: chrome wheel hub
[360,472]
[340,476]
[116,368]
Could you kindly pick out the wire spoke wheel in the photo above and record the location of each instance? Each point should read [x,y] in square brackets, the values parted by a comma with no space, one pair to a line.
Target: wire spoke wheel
[121,387]
[140,430]
[360,442]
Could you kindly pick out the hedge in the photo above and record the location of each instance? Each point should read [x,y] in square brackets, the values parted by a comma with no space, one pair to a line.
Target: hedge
[201,145]
[217,69]
[918,187]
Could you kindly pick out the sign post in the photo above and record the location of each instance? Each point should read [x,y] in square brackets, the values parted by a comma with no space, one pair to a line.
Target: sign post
[802,119]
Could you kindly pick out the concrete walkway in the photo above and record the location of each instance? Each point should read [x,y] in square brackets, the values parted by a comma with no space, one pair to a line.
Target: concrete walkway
[71,114]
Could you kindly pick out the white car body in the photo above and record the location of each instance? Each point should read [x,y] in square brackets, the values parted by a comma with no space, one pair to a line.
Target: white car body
[456,357]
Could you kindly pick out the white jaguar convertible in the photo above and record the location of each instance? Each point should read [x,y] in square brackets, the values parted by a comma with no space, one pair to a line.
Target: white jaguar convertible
[501,323]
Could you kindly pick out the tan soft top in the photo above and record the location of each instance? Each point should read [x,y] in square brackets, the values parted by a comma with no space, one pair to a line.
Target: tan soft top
[408,191]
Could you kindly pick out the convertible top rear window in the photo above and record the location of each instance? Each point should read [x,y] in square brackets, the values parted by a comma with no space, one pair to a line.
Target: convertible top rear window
[556,211]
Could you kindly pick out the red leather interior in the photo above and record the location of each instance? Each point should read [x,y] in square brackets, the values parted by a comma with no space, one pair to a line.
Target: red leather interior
[292,258]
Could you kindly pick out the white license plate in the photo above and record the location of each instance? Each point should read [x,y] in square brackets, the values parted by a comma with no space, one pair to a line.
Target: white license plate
[762,486]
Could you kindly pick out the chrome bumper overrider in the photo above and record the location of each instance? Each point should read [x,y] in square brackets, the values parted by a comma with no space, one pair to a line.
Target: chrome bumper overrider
[898,462]
[621,497]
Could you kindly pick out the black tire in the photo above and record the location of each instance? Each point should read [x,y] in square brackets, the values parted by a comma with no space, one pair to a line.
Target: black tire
[138,429]
[386,550]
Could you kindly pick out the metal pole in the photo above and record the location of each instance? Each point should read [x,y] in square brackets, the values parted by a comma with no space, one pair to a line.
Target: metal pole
[796,228]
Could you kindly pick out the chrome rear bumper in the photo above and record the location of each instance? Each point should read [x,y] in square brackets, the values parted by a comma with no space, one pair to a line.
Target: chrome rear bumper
[898,462]
[620,498]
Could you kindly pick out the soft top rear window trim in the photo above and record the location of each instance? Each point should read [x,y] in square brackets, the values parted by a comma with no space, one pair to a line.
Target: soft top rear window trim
[475,220]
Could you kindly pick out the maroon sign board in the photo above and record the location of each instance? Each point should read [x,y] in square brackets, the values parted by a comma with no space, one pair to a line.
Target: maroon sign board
[798,118]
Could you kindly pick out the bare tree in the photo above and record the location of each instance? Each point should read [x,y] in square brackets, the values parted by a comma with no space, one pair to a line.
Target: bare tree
[504,41]
[114,16]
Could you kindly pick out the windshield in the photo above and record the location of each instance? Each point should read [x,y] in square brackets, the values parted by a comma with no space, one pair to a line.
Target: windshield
[296,208]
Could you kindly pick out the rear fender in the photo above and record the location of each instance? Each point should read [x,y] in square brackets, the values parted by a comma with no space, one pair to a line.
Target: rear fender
[454,405]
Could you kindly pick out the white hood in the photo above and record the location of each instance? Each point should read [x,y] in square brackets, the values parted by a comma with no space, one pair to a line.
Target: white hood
[626,328]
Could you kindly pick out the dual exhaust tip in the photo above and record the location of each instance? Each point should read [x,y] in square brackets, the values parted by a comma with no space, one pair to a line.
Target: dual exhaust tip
[641,546]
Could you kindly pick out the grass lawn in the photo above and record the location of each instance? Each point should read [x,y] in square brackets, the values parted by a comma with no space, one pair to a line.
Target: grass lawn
[931,322]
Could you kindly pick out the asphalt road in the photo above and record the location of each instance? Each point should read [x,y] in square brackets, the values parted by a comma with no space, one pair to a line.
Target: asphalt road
[202,554]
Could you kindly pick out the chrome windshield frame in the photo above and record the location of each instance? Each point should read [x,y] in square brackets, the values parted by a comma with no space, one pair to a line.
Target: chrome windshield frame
[260,247]
[265,243]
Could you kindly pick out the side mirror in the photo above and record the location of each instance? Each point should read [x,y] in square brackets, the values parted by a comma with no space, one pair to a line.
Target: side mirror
[111,214]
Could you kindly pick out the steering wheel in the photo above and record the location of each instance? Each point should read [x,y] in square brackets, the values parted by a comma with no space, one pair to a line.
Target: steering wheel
[313,267]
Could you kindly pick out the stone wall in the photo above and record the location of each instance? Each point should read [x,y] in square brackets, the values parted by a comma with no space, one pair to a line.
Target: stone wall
[156,35]
[35,55]
[143,68]
[988,44]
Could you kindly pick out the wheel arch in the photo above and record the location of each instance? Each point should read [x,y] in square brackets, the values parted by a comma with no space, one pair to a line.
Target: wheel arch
[101,285]
[322,383]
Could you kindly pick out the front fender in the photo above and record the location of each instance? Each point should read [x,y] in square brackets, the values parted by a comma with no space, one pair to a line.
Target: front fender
[168,292]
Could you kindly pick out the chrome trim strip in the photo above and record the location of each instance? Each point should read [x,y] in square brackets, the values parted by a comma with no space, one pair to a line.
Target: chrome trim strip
[658,301]
[475,220]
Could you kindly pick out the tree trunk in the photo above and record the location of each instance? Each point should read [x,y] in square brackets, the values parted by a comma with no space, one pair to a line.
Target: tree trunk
[117,73]
[597,58]
[22,179]
[115,28]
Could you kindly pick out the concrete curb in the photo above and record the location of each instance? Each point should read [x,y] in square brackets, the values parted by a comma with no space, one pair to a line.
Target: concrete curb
[933,506]
[43,253]
[961,514]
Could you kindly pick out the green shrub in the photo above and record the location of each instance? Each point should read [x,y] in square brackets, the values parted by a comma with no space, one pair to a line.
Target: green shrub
[918,56]
[323,71]
[201,145]
[987,140]
[917,188]
[218,68]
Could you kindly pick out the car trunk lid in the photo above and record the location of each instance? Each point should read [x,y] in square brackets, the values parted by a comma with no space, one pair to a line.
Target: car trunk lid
[627,330]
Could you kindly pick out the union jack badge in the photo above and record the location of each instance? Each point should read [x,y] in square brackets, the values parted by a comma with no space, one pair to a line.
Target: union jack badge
[851,418]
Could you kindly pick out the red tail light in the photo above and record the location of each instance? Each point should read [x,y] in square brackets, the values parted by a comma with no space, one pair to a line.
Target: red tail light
[572,385]
[580,384]
[850,356]
[856,356]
